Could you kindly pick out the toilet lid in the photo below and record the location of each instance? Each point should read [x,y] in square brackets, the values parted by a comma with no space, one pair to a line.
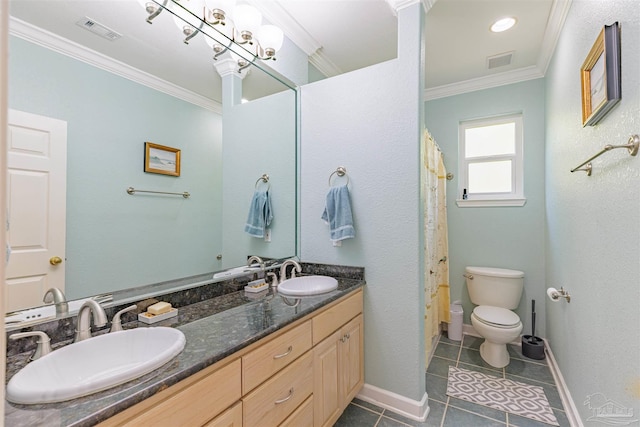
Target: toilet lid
[496,315]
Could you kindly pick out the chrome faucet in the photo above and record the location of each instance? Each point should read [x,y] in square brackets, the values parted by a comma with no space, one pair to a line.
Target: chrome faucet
[283,269]
[83,329]
[255,258]
[55,295]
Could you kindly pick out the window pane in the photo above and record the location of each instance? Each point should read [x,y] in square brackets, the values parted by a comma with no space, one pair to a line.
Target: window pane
[490,140]
[490,177]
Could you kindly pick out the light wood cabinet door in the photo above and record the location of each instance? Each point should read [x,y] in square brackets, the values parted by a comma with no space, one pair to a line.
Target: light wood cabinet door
[338,372]
[232,417]
[326,379]
[351,360]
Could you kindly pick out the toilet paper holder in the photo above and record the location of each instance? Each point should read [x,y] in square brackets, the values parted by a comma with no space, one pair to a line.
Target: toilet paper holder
[556,294]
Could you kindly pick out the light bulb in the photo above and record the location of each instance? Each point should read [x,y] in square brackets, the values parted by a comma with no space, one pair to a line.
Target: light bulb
[185,14]
[220,10]
[270,38]
[503,24]
[247,20]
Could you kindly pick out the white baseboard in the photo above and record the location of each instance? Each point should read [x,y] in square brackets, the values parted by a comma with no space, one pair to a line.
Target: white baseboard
[412,409]
[567,401]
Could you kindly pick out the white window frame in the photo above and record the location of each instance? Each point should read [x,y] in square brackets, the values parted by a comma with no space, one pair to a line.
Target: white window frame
[513,198]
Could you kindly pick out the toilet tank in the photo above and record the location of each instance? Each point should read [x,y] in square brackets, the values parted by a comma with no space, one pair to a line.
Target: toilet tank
[498,287]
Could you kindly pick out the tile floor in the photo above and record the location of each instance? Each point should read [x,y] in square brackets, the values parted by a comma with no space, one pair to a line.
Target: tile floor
[446,411]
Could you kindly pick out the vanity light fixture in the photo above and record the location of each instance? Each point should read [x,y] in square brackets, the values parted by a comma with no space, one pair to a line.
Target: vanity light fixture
[239,24]
[503,24]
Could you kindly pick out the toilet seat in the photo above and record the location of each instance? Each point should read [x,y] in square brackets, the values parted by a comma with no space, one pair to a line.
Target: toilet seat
[497,317]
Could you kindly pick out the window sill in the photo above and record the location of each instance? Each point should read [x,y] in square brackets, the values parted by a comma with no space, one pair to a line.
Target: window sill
[490,203]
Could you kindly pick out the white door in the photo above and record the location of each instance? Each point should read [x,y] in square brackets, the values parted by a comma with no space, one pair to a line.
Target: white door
[36,200]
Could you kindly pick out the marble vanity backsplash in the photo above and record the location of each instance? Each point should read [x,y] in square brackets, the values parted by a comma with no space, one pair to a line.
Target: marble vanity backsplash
[192,304]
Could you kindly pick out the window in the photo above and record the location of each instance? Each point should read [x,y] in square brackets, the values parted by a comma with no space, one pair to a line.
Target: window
[490,161]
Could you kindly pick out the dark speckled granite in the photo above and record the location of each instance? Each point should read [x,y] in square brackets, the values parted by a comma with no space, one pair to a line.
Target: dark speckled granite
[214,328]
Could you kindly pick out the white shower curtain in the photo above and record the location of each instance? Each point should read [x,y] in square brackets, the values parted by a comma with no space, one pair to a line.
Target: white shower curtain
[436,250]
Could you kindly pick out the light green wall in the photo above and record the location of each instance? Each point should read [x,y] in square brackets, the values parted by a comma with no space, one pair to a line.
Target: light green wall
[260,138]
[370,122]
[505,237]
[593,227]
[115,240]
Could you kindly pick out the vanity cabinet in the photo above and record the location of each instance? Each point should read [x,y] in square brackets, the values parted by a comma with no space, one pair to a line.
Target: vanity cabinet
[338,372]
[194,401]
[303,375]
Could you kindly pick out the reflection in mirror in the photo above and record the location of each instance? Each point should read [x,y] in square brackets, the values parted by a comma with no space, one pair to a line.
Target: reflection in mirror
[112,240]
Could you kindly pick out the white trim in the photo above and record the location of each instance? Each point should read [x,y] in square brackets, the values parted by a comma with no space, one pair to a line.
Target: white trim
[74,50]
[567,401]
[276,14]
[413,409]
[487,82]
[324,64]
[555,23]
[488,203]
[557,16]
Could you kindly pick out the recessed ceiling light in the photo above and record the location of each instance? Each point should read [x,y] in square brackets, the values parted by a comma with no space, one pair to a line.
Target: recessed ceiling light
[503,24]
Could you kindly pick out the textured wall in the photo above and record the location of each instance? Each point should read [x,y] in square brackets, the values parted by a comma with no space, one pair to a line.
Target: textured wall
[259,137]
[506,237]
[369,121]
[593,230]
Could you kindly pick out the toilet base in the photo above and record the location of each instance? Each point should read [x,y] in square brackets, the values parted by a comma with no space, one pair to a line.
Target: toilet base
[494,354]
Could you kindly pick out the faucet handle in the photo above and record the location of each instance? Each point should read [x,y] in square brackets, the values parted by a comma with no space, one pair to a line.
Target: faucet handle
[274,279]
[44,342]
[116,323]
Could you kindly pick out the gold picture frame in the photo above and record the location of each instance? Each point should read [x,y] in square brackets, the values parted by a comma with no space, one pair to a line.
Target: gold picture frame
[600,76]
[161,159]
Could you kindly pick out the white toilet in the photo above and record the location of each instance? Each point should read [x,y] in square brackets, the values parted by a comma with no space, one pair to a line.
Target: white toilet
[495,291]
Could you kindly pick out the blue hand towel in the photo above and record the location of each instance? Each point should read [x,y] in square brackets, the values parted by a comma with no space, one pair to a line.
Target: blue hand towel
[337,213]
[260,214]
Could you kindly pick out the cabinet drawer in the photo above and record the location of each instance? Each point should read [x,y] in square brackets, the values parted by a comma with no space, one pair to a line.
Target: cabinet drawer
[302,417]
[232,417]
[333,318]
[198,403]
[271,357]
[272,402]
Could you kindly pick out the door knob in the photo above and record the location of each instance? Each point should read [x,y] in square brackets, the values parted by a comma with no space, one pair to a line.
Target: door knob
[55,260]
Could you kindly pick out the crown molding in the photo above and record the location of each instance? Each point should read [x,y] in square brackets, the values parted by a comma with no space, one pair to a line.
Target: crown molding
[396,5]
[557,17]
[74,50]
[276,14]
[324,64]
[494,80]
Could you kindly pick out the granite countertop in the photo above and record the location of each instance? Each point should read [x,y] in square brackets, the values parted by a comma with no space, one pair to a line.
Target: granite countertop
[214,329]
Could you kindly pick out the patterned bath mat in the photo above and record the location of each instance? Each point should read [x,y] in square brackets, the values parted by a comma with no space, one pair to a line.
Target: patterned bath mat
[506,395]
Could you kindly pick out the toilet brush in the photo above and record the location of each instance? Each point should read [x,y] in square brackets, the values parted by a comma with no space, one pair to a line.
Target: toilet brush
[532,346]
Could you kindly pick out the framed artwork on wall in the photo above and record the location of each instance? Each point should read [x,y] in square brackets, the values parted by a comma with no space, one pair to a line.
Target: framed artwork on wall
[600,76]
[161,159]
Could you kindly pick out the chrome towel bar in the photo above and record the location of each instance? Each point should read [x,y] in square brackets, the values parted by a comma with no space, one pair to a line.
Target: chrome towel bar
[133,191]
[632,146]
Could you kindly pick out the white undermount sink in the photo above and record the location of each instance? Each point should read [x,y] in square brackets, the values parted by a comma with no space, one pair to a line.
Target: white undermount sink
[94,364]
[307,285]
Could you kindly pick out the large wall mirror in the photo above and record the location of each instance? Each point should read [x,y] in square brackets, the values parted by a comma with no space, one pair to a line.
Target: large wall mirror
[107,93]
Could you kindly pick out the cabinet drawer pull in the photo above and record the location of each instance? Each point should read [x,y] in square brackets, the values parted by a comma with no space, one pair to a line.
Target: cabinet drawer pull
[277,402]
[286,353]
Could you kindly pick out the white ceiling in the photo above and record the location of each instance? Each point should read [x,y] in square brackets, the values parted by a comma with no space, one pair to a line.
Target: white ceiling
[338,35]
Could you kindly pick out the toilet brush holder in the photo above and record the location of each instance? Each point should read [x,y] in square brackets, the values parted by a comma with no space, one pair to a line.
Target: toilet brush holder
[532,347]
